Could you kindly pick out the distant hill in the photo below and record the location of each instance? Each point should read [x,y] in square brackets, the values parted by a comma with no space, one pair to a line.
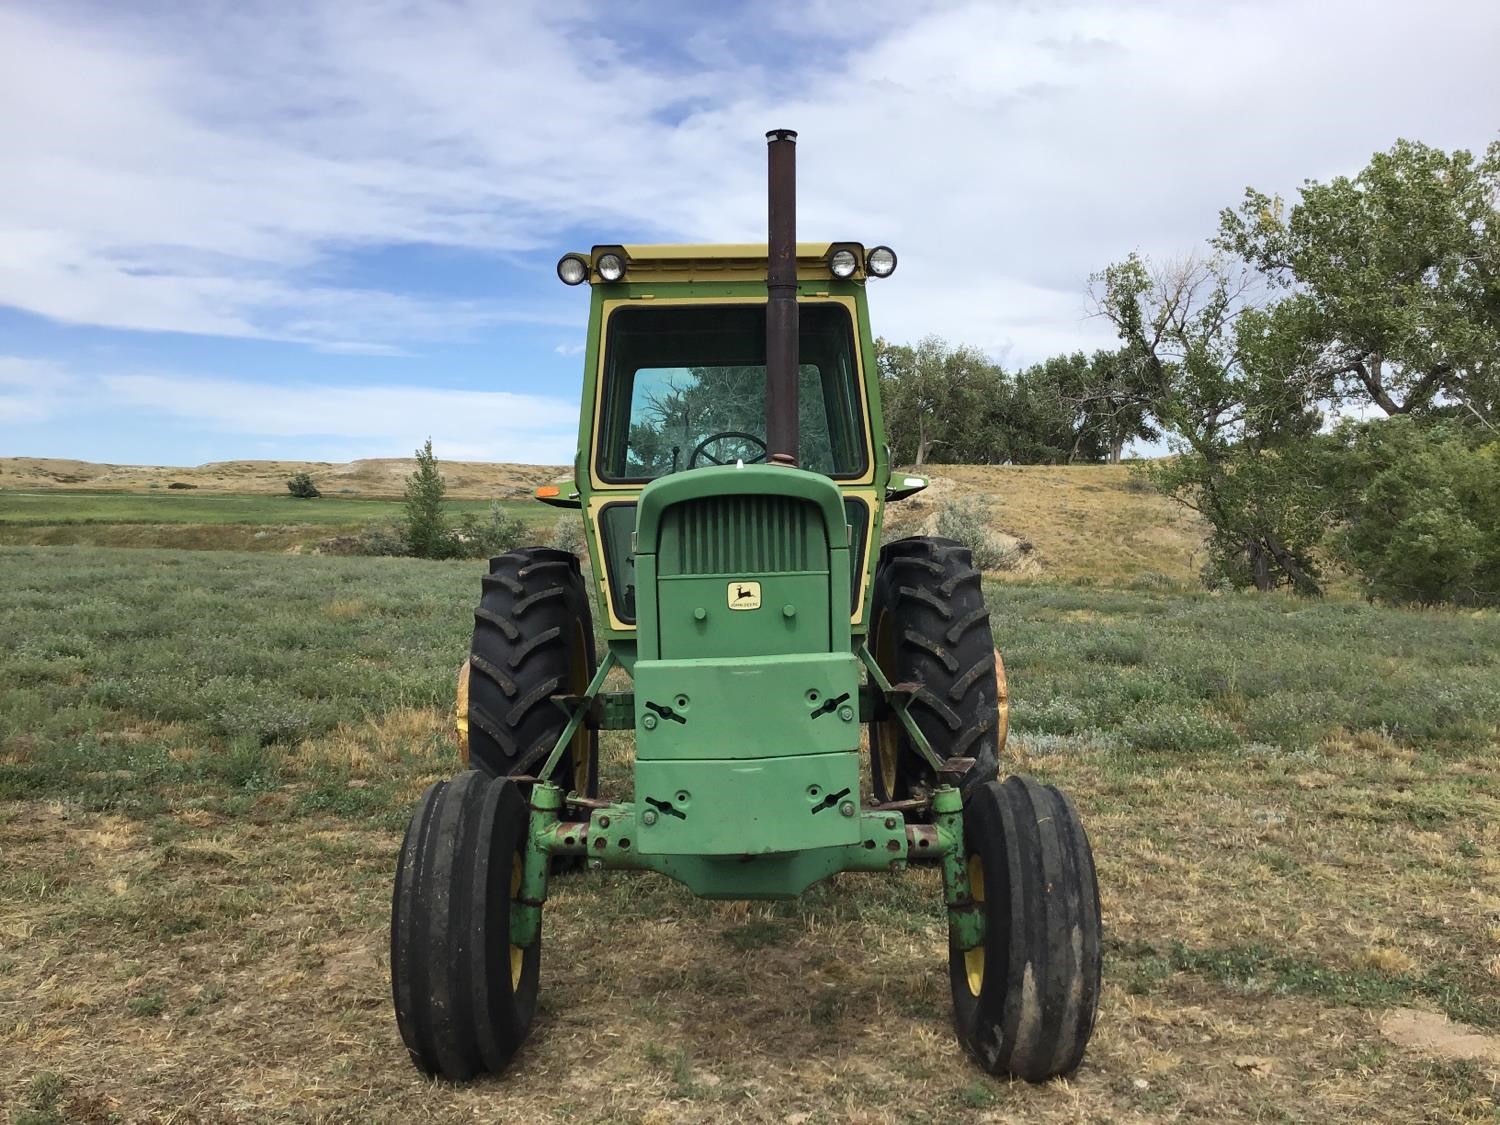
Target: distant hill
[375,477]
[1078,522]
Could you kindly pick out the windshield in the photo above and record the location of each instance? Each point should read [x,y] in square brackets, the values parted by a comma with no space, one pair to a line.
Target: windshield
[685,387]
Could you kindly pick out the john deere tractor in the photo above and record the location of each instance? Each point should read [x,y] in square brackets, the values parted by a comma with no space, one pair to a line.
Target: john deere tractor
[731,475]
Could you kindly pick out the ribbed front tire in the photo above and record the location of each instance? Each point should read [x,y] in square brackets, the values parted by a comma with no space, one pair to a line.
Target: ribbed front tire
[1025,1000]
[464,996]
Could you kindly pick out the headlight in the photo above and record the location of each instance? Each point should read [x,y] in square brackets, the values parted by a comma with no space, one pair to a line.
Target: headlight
[611,266]
[572,269]
[881,261]
[843,263]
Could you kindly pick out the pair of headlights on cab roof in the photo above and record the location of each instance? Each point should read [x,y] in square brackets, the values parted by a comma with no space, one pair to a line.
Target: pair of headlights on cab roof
[573,269]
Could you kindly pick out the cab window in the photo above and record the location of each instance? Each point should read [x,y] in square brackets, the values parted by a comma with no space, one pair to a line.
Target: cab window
[685,387]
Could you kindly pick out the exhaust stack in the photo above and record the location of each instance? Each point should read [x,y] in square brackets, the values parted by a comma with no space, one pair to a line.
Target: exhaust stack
[781,303]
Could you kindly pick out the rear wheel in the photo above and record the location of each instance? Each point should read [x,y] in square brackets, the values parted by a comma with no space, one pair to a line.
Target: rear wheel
[1025,1000]
[533,639]
[464,995]
[930,628]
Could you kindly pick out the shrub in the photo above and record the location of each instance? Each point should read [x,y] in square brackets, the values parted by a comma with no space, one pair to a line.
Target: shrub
[499,531]
[301,486]
[567,535]
[1423,511]
[378,539]
[967,521]
[181,484]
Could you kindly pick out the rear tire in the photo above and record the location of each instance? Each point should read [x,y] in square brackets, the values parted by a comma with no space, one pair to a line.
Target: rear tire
[464,996]
[929,626]
[533,639]
[1025,1001]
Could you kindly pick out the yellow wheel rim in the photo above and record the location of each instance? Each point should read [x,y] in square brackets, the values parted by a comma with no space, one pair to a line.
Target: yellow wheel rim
[461,713]
[974,958]
[517,952]
[1002,702]
[580,684]
[887,733]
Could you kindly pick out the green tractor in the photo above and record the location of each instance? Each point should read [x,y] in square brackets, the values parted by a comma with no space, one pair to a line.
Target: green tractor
[732,474]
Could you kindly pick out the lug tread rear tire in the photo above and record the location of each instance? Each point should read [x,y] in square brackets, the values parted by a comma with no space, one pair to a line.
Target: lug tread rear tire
[532,616]
[928,592]
[1035,1011]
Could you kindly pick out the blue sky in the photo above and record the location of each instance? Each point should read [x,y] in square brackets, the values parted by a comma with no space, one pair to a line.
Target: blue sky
[327,231]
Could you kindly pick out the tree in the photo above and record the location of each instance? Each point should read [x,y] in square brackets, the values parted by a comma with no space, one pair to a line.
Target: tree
[1230,391]
[1396,275]
[1381,290]
[426,529]
[302,487]
[1420,510]
[938,401]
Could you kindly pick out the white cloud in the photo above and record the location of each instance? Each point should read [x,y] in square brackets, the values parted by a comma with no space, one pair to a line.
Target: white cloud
[247,414]
[201,173]
[484,425]
[30,390]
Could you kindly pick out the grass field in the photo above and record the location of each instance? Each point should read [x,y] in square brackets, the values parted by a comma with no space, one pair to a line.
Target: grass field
[206,760]
[1081,523]
[206,521]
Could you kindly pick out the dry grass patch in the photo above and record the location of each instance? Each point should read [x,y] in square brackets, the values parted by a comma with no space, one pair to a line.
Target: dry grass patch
[232,967]
[1083,521]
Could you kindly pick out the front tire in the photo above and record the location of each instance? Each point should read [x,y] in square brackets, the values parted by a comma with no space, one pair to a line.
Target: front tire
[464,996]
[1025,1000]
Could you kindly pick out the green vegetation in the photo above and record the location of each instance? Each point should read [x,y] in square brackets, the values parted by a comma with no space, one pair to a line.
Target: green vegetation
[40,508]
[300,486]
[1375,293]
[424,524]
[206,761]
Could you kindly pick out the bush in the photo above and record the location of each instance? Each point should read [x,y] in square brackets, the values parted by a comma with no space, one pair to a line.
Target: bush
[1422,505]
[567,535]
[496,533]
[967,521]
[181,484]
[378,539]
[301,486]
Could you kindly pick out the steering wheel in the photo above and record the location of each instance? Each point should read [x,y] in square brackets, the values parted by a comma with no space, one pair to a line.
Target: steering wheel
[701,449]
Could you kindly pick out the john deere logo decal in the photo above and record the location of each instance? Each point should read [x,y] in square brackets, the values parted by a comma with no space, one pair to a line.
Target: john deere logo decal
[744,595]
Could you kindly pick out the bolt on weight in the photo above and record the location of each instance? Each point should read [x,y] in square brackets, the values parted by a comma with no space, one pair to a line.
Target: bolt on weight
[846,809]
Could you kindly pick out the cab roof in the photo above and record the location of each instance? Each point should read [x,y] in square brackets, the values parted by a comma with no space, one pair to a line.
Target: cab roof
[718,261]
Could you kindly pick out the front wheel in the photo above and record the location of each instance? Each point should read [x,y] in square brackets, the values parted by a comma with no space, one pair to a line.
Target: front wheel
[464,995]
[1025,999]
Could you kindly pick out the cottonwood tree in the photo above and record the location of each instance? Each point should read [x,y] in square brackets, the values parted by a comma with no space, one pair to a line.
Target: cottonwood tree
[938,400]
[1395,273]
[1230,390]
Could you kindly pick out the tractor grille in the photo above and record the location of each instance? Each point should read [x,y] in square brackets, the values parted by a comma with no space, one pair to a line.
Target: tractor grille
[743,535]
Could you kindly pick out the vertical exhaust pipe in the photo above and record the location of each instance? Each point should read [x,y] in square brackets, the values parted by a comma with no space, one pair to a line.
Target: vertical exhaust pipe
[781,302]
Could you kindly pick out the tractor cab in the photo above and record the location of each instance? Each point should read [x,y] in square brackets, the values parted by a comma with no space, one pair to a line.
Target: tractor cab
[675,381]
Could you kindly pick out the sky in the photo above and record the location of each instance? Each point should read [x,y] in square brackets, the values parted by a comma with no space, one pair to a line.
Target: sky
[325,231]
